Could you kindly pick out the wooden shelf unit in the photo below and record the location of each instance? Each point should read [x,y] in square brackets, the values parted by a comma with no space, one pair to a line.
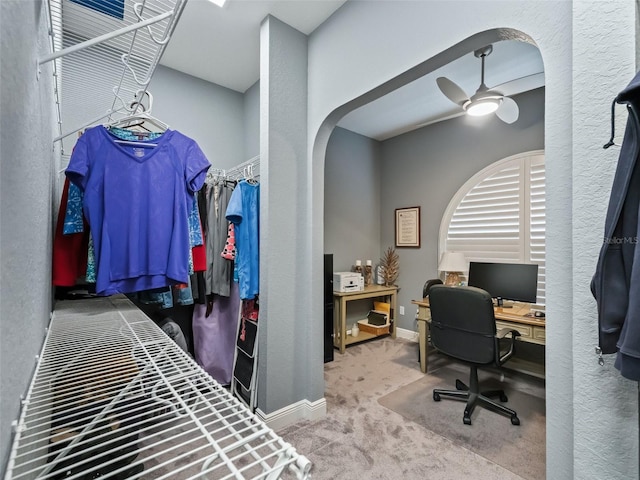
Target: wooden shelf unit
[340,301]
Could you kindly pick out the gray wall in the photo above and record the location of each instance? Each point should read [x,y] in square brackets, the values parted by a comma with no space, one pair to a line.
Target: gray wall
[397,40]
[210,114]
[284,259]
[353,191]
[426,168]
[27,165]
[251,110]
[366,180]
[392,38]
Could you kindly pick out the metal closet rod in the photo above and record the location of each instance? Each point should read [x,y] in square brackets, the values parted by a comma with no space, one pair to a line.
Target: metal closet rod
[104,37]
[238,169]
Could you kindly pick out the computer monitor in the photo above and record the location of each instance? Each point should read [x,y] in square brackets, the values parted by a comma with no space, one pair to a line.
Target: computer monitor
[508,281]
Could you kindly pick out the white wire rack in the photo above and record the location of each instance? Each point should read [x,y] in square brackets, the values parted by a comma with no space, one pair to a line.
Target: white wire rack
[105,53]
[248,169]
[114,397]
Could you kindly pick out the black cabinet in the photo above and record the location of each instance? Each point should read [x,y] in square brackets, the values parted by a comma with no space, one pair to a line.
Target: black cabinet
[328,307]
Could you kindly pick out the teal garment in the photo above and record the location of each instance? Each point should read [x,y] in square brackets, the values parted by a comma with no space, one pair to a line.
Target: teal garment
[243,210]
[73,216]
[91,262]
[195,230]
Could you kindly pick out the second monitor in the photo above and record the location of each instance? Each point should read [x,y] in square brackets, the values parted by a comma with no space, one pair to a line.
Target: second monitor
[505,281]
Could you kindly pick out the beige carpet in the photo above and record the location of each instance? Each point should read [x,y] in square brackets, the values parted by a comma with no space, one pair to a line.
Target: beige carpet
[520,449]
[362,440]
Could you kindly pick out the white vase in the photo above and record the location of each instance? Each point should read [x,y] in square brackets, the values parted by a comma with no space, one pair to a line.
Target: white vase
[355,330]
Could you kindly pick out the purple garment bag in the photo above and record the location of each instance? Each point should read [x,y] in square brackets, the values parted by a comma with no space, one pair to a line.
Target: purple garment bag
[214,337]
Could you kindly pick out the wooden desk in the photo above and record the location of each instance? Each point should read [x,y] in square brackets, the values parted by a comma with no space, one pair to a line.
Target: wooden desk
[532,329]
[340,300]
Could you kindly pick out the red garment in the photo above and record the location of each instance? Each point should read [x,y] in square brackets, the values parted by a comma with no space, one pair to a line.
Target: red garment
[69,251]
[199,254]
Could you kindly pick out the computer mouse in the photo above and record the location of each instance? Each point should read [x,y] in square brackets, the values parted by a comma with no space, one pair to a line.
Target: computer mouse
[539,314]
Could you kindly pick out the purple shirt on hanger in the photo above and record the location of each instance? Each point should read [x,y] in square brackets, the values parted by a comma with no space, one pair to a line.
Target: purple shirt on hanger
[136,200]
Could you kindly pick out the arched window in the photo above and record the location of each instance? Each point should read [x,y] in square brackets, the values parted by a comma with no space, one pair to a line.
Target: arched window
[499,215]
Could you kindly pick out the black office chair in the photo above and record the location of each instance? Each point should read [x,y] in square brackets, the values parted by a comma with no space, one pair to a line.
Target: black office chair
[425,294]
[463,326]
[427,286]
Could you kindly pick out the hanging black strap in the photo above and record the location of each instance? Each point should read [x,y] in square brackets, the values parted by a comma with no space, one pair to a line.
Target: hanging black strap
[613,125]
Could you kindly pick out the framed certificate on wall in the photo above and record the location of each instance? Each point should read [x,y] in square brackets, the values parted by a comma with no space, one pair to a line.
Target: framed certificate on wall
[408,227]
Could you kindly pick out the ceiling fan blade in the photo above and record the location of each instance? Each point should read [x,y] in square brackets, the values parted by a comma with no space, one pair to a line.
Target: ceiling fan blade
[508,111]
[452,91]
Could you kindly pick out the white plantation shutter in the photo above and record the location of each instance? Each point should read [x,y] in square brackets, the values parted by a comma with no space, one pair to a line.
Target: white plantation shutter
[537,222]
[499,215]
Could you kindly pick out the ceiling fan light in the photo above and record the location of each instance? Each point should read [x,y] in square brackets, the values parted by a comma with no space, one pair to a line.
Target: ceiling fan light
[483,107]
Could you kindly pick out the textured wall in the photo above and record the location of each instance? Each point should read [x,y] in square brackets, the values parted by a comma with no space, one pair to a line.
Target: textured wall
[27,165]
[290,347]
[605,404]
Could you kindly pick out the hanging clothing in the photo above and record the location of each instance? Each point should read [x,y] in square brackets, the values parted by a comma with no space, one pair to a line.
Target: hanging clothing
[137,200]
[244,211]
[73,217]
[214,336]
[70,250]
[219,270]
[616,282]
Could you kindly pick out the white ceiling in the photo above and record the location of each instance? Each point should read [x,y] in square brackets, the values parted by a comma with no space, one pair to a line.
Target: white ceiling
[222,45]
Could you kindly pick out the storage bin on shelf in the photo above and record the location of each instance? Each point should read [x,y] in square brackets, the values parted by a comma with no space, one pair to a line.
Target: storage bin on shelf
[365,326]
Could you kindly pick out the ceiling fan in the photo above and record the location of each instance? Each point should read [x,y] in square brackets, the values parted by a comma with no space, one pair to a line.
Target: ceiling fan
[485,100]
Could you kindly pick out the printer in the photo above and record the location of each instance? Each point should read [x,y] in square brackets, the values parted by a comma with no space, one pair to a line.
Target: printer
[348,282]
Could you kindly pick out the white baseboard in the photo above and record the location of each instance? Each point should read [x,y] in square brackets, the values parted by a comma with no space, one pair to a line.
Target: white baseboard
[407,334]
[302,410]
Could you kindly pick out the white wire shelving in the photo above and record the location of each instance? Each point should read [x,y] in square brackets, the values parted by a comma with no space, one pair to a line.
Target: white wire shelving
[114,397]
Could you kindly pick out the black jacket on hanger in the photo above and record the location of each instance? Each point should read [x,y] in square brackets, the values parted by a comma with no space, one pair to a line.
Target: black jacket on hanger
[616,282]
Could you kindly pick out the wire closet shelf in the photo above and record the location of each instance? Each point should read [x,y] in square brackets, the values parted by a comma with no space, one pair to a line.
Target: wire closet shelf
[104,53]
[114,397]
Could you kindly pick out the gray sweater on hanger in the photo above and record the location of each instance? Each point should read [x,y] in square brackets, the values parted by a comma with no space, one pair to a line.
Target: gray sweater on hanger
[219,270]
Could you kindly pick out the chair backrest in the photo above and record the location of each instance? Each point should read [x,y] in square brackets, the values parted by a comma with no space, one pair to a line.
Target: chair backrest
[463,324]
[428,284]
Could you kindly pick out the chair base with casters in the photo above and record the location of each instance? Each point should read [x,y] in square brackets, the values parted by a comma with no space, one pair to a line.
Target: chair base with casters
[474,397]
[463,326]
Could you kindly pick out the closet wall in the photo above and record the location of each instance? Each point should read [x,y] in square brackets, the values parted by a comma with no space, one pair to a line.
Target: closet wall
[210,114]
[27,169]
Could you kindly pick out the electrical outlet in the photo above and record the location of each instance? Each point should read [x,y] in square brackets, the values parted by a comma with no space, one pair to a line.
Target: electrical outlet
[401,310]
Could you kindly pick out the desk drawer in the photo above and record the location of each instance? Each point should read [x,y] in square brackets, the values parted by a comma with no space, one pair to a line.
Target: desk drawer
[525,330]
[539,333]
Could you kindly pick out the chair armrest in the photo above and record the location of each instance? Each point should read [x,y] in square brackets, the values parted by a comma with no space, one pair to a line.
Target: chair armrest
[503,332]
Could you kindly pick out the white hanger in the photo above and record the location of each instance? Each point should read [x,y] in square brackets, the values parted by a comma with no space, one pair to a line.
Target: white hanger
[140,114]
